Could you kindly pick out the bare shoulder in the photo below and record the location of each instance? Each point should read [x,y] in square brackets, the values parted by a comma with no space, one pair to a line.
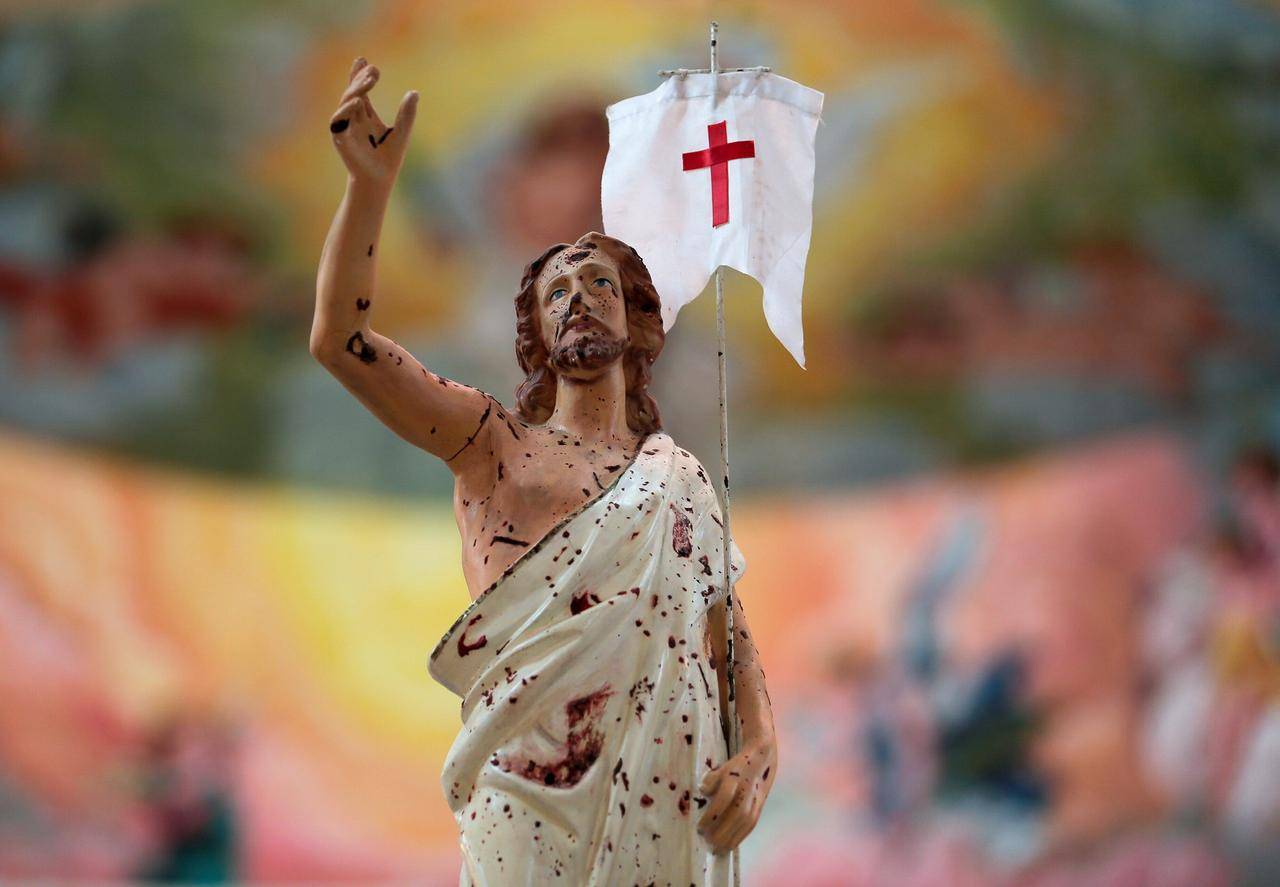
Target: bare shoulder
[500,437]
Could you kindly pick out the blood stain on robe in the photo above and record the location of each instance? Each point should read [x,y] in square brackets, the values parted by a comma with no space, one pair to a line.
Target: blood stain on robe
[580,602]
[618,771]
[581,747]
[641,692]
[465,647]
[681,533]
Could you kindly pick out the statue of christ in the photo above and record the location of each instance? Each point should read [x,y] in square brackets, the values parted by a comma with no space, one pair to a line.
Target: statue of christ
[590,663]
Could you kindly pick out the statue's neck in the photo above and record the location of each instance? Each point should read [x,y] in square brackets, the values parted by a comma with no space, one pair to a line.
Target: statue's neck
[593,409]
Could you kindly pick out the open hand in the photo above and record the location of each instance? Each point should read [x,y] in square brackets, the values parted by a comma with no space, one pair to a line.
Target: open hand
[737,789]
[371,150]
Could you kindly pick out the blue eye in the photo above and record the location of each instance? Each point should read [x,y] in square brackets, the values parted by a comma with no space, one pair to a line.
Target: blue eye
[602,280]
[556,294]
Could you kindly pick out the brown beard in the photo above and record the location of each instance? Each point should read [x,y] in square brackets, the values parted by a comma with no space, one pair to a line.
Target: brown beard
[591,351]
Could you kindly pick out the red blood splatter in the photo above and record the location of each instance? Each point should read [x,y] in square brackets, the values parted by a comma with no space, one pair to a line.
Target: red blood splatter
[645,801]
[463,646]
[618,771]
[681,533]
[642,692]
[683,804]
[580,602]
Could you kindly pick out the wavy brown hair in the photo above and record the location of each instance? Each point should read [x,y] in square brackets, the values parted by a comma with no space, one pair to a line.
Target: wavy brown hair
[536,396]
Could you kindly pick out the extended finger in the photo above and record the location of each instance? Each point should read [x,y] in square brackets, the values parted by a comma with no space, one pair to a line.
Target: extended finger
[355,67]
[363,82]
[407,113]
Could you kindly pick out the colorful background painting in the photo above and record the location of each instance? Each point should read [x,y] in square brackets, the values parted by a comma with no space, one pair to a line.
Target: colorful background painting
[1013,539]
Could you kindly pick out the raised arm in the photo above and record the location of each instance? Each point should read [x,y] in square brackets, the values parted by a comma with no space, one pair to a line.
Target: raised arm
[441,416]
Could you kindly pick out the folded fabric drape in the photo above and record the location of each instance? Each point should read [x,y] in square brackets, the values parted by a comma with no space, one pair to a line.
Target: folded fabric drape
[590,704]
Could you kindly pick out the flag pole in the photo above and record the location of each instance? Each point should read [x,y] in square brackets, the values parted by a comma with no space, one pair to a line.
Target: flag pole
[735,864]
[734,733]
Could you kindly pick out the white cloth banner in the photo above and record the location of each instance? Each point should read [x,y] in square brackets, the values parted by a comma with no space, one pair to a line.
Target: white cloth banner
[710,170]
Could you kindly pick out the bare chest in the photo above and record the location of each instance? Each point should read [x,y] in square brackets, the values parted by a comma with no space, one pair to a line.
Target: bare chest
[522,496]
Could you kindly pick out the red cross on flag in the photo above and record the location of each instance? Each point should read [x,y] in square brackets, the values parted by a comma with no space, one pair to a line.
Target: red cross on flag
[694,181]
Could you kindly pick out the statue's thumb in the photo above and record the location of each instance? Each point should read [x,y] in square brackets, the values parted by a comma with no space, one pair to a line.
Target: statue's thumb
[407,112]
[709,781]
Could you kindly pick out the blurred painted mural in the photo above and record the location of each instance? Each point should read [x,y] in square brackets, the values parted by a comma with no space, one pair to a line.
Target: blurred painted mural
[1014,537]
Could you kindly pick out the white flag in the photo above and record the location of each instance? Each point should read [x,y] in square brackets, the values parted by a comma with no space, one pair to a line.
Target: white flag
[696,180]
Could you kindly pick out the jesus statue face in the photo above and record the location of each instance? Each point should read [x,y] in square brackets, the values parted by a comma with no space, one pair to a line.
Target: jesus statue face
[582,311]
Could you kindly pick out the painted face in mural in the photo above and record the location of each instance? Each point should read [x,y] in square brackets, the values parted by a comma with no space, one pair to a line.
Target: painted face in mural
[583,315]
[547,190]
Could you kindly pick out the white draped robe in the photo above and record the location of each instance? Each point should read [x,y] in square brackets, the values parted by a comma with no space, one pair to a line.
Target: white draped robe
[590,706]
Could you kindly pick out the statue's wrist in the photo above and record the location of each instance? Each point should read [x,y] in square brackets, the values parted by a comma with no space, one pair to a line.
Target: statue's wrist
[363,186]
